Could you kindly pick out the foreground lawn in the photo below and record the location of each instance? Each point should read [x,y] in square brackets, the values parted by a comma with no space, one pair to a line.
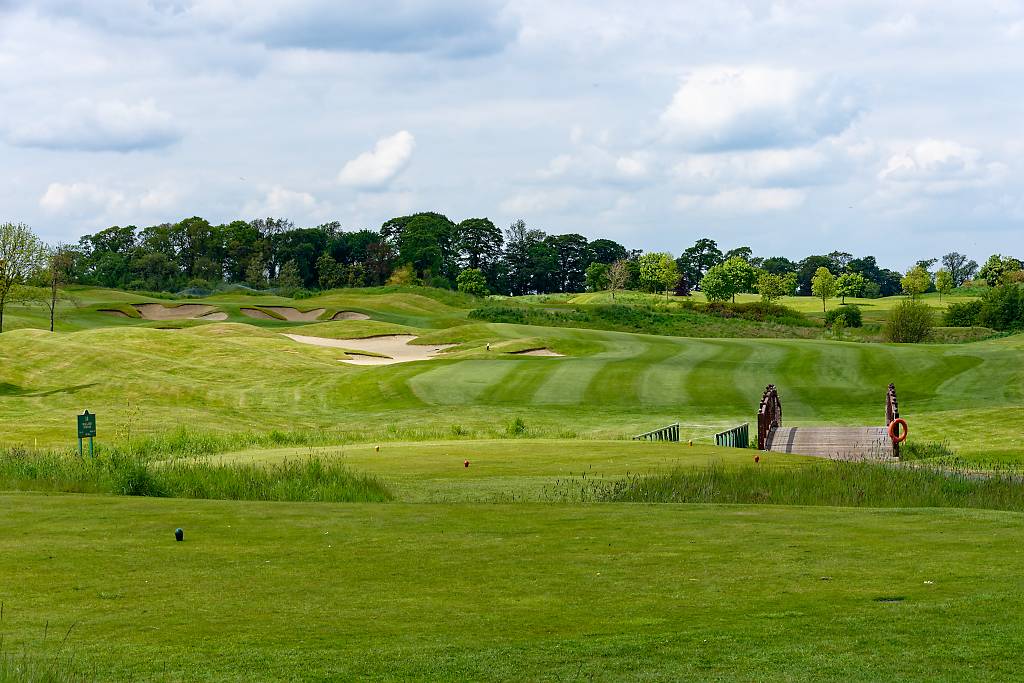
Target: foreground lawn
[526,591]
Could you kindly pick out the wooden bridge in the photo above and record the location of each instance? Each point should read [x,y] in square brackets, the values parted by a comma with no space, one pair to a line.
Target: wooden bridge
[840,443]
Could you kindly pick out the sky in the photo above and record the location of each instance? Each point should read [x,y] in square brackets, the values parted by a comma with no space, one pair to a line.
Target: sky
[885,128]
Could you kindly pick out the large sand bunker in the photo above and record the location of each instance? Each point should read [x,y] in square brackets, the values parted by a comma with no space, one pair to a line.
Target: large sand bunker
[183,312]
[287,312]
[349,315]
[396,347]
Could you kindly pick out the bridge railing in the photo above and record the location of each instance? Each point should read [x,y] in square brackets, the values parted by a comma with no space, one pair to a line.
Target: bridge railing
[737,437]
[892,412]
[769,415]
[669,433]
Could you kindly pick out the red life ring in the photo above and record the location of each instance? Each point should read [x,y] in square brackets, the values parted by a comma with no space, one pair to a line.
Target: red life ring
[894,434]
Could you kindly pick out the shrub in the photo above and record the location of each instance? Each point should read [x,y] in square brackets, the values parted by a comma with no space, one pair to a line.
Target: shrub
[516,427]
[909,322]
[850,316]
[963,314]
[472,281]
[1002,308]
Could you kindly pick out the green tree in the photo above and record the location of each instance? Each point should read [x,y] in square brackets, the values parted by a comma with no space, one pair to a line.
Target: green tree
[850,284]
[330,273]
[288,280]
[658,272]
[695,261]
[597,277]
[960,267]
[943,282]
[256,272]
[479,242]
[716,285]
[607,251]
[22,254]
[823,285]
[916,282]
[771,286]
[472,281]
[742,276]
[996,268]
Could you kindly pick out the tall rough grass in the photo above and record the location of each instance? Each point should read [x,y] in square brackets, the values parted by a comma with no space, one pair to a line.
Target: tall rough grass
[44,663]
[843,484]
[120,473]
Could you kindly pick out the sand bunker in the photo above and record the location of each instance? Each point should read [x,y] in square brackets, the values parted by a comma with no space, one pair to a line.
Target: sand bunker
[183,312]
[349,315]
[116,314]
[548,353]
[396,347]
[287,312]
[217,315]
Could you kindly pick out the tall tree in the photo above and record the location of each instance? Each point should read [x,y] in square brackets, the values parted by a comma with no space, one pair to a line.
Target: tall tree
[519,240]
[606,251]
[479,243]
[823,285]
[850,284]
[960,268]
[745,253]
[59,262]
[427,243]
[696,260]
[916,282]
[573,258]
[943,283]
[807,270]
[778,265]
[21,255]
[618,275]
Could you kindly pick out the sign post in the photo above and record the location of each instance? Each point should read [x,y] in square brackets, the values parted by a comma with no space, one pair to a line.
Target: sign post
[86,429]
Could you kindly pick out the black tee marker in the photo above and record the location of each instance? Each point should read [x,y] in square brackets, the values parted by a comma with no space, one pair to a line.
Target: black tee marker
[179,535]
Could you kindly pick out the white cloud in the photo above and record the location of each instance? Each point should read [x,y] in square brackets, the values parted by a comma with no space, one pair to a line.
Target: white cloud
[540,201]
[769,167]
[744,200]
[726,108]
[280,201]
[86,199]
[99,126]
[375,168]
[938,167]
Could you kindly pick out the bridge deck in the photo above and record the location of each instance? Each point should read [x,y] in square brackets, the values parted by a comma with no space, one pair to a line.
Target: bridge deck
[837,443]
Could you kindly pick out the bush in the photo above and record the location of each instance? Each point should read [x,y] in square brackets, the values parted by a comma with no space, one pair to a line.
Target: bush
[1002,308]
[472,281]
[909,322]
[850,316]
[963,314]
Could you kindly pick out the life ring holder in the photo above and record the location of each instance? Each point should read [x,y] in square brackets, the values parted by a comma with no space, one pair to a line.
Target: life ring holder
[898,436]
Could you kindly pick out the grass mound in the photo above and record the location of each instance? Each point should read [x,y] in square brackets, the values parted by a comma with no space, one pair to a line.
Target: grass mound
[697,320]
[118,473]
[841,484]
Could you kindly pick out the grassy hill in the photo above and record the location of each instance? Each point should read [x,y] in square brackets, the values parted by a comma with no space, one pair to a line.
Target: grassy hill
[228,377]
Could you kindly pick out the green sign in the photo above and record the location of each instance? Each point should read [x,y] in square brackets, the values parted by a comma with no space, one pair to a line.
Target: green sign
[86,425]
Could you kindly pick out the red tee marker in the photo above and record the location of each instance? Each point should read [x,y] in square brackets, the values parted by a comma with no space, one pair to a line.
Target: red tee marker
[757,458]
[465,464]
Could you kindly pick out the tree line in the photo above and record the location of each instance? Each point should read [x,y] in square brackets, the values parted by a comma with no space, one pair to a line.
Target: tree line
[473,255]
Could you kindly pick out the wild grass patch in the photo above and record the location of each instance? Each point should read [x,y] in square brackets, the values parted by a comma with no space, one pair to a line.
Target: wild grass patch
[127,474]
[841,484]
